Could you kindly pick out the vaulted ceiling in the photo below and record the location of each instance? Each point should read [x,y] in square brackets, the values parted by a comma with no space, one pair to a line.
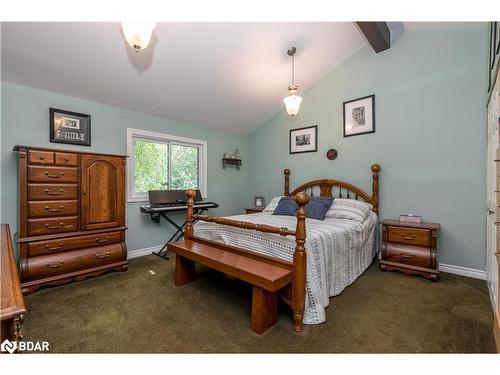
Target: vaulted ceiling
[230,76]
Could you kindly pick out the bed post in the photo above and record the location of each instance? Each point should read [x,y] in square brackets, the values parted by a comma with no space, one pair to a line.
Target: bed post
[299,264]
[188,232]
[287,181]
[375,170]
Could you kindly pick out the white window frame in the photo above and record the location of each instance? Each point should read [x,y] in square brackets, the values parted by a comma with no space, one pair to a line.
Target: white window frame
[161,137]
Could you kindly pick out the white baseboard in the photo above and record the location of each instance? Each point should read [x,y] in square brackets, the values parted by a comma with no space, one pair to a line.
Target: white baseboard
[462,271]
[142,252]
[457,270]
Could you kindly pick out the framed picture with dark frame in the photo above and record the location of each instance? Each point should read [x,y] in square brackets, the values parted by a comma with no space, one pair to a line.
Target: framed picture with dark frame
[69,127]
[359,116]
[304,140]
[259,202]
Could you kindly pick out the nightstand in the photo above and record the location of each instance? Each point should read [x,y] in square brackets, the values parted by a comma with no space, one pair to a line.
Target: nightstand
[410,248]
[254,210]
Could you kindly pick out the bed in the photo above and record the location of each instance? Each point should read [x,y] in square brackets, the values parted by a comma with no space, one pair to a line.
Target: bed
[324,256]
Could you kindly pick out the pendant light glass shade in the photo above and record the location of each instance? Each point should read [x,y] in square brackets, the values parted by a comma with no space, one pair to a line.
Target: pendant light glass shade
[138,33]
[292,104]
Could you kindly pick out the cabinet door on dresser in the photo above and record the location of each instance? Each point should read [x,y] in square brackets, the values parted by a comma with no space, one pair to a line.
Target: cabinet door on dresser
[102,191]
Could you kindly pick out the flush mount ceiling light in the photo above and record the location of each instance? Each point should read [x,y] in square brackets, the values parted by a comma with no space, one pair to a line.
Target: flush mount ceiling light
[138,33]
[292,101]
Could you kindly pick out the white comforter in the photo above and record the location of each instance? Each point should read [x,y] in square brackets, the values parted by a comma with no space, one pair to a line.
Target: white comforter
[338,251]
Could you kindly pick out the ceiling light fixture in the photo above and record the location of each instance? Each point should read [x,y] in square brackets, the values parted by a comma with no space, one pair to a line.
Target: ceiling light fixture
[138,33]
[292,101]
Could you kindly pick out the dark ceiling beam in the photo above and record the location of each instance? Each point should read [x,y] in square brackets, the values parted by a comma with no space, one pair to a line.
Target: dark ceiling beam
[377,34]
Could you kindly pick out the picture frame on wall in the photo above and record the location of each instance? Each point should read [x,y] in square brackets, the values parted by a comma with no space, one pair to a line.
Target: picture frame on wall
[304,140]
[69,127]
[359,116]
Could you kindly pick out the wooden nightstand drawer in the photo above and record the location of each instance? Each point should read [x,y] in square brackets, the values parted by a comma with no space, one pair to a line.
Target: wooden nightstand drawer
[253,210]
[414,255]
[411,236]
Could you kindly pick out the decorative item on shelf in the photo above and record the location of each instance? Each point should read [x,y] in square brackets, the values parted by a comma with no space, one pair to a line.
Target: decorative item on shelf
[331,154]
[304,139]
[359,116]
[410,218]
[292,101]
[138,34]
[233,159]
[69,127]
[259,202]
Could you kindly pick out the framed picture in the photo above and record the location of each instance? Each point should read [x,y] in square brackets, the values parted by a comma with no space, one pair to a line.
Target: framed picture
[259,201]
[304,139]
[69,127]
[359,116]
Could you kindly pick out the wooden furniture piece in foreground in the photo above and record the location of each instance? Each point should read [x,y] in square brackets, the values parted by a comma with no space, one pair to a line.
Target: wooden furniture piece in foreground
[71,215]
[253,210]
[268,275]
[12,302]
[410,248]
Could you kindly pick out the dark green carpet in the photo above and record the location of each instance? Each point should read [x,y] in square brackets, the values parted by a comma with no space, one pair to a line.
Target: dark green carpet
[137,311]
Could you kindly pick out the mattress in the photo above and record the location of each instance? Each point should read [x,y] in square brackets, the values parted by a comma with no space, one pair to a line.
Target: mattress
[338,251]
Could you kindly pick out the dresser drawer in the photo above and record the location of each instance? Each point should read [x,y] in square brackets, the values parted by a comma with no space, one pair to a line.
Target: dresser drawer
[40,157]
[38,227]
[411,236]
[67,159]
[37,173]
[70,261]
[52,191]
[52,208]
[64,244]
[413,255]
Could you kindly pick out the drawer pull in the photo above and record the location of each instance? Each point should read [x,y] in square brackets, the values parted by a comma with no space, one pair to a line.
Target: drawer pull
[412,237]
[66,159]
[55,265]
[41,157]
[102,255]
[408,256]
[54,209]
[50,192]
[48,226]
[60,174]
[102,240]
[53,248]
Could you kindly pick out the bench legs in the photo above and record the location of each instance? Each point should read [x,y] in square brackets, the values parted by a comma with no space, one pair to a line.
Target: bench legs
[264,309]
[184,271]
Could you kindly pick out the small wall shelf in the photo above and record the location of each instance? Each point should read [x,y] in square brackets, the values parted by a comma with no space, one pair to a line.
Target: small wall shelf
[231,162]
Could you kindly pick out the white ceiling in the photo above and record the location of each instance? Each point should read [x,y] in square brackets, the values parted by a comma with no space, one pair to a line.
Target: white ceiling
[230,76]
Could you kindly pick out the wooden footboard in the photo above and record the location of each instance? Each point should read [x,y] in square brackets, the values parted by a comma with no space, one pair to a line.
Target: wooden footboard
[298,288]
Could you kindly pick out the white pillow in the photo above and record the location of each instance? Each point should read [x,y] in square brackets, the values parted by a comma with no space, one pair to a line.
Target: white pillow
[350,209]
[271,206]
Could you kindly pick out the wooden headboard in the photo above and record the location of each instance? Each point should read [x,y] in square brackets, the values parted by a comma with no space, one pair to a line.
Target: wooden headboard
[338,188]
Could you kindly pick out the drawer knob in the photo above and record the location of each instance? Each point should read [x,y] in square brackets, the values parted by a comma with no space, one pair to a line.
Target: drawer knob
[54,209]
[50,192]
[102,240]
[53,248]
[41,157]
[66,159]
[55,265]
[407,256]
[60,174]
[48,226]
[412,237]
[102,255]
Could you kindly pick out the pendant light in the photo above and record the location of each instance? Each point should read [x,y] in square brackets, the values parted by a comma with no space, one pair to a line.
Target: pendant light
[138,34]
[292,101]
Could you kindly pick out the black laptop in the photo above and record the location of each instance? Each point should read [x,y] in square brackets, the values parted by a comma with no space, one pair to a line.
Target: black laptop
[159,198]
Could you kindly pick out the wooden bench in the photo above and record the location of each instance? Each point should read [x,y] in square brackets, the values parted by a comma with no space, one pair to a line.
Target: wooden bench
[267,275]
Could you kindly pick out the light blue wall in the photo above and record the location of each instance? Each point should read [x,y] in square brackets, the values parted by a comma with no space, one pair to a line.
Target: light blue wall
[430,135]
[24,120]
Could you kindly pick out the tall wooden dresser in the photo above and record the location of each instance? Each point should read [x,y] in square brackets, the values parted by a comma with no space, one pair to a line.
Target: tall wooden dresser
[71,215]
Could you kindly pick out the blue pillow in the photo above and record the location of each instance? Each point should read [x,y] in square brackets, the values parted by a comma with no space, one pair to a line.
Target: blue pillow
[315,209]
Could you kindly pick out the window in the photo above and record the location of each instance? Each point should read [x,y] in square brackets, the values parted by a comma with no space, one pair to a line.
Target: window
[164,162]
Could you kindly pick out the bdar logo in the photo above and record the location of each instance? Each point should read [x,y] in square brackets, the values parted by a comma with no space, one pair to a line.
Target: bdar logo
[8,346]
